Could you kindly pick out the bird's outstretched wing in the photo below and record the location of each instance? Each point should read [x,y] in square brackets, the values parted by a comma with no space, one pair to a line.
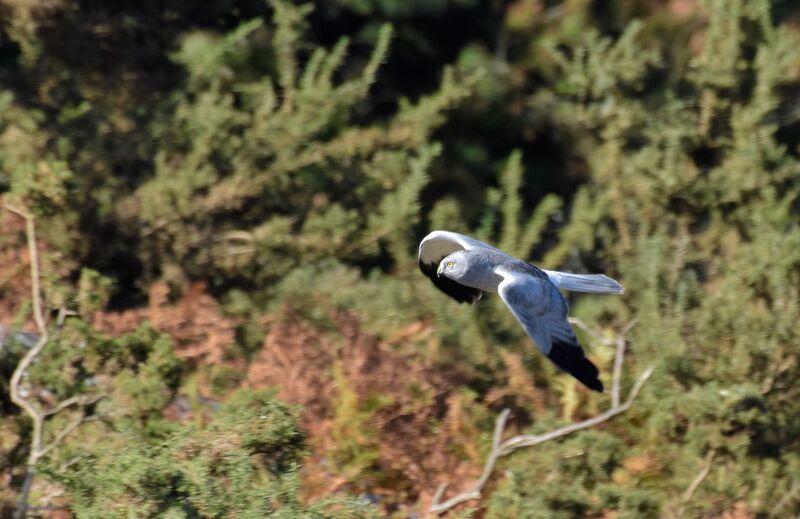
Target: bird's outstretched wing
[542,312]
[439,244]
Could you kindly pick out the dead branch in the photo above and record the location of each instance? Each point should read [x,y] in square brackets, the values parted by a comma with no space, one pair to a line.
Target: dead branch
[79,400]
[66,431]
[500,449]
[63,405]
[690,490]
[787,498]
[27,360]
[18,395]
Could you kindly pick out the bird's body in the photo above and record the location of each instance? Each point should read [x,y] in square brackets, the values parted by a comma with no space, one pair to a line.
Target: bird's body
[481,268]
[464,268]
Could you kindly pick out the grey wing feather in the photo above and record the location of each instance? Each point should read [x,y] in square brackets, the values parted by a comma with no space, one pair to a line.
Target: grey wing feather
[542,312]
[592,283]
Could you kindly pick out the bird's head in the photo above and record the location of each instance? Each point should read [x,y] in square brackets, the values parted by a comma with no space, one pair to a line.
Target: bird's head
[455,265]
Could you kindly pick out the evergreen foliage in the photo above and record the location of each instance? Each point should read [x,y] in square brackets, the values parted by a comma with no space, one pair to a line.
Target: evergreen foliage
[256,176]
[281,155]
[692,194]
[243,465]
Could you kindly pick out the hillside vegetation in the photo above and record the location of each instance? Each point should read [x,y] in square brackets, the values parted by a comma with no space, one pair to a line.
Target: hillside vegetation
[227,199]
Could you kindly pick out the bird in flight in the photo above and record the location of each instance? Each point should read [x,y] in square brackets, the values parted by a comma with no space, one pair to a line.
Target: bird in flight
[464,268]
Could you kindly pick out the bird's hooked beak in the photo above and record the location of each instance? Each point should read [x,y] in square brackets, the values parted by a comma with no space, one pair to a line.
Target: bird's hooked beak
[440,270]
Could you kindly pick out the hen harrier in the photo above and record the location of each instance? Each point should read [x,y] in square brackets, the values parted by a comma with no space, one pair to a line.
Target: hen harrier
[464,268]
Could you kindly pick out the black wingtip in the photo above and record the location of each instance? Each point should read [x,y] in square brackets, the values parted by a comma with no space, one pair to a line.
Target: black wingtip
[595,384]
[571,359]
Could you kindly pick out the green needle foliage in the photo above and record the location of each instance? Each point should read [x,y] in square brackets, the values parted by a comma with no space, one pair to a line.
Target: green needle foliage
[242,465]
[277,154]
[693,196]
[257,175]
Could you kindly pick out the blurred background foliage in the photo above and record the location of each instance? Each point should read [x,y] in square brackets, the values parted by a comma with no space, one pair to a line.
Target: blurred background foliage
[230,196]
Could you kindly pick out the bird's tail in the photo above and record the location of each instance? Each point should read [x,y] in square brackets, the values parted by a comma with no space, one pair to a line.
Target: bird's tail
[593,283]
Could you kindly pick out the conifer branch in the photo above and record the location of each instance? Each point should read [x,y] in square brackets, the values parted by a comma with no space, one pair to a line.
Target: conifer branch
[500,449]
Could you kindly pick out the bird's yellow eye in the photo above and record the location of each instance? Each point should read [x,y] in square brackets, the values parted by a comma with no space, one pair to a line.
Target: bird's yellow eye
[450,263]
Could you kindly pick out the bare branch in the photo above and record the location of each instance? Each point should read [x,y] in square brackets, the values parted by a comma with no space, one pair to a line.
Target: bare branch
[527,440]
[787,498]
[617,373]
[82,400]
[438,495]
[66,431]
[30,231]
[20,397]
[475,491]
[500,449]
[499,427]
[596,335]
[16,378]
[63,313]
[67,464]
[37,417]
[63,405]
[700,476]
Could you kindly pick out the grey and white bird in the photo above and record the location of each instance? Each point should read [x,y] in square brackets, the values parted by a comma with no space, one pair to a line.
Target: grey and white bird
[464,268]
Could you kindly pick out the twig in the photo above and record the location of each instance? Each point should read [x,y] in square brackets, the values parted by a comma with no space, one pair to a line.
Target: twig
[48,498]
[37,416]
[63,405]
[38,318]
[605,341]
[787,498]
[63,313]
[475,491]
[439,492]
[82,400]
[700,476]
[66,431]
[527,440]
[617,373]
[67,464]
